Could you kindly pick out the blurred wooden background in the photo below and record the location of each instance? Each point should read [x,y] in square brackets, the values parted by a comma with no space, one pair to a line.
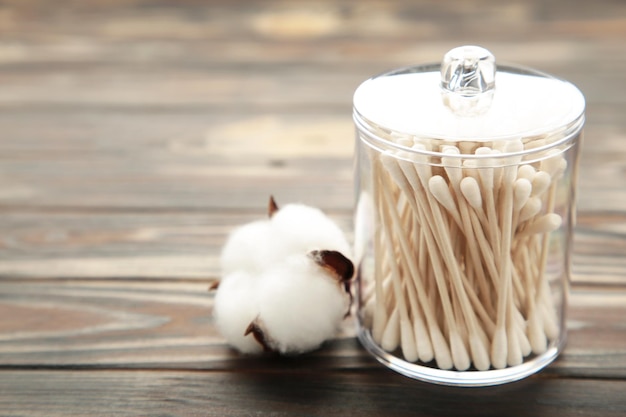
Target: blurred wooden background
[134,134]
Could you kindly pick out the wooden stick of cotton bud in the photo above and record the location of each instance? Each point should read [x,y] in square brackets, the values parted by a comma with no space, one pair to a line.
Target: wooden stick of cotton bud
[504,346]
[522,190]
[441,351]
[407,337]
[411,284]
[458,351]
[486,177]
[534,227]
[438,238]
[380,315]
[462,217]
[494,206]
[453,167]
[480,358]
[555,165]
[463,293]
[471,193]
[397,329]
[541,316]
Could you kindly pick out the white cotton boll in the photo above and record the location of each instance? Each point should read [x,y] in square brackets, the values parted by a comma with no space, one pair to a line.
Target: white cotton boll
[284,279]
[247,248]
[300,305]
[299,229]
[234,308]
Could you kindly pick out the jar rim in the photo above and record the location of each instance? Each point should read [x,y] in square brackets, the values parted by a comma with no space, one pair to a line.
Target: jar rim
[563,138]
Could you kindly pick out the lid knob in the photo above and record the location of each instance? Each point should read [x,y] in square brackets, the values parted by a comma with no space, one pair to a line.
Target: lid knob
[468,80]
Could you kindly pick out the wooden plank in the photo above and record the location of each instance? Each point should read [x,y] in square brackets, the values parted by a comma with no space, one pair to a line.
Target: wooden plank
[599,247]
[151,160]
[168,246]
[303,20]
[185,245]
[180,81]
[268,54]
[118,325]
[285,392]
[136,134]
[156,325]
[258,113]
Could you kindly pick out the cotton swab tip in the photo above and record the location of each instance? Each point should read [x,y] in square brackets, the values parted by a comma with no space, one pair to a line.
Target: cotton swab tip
[526,171]
[480,356]
[443,357]
[521,192]
[422,341]
[499,349]
[483,150]
[536,336]
[471,192]
[544,224]
[554,163]
[530,209]
[514,356]
[450,150]
[439,188]
[391,335]
[407,341]
[541,182]
[460,356]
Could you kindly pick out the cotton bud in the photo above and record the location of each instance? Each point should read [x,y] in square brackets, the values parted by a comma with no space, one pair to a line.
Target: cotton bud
[302,302]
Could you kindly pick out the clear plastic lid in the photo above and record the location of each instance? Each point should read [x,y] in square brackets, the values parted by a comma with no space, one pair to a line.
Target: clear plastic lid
[467,99]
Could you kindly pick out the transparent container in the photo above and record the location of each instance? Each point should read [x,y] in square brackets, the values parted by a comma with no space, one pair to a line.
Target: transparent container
[465,181]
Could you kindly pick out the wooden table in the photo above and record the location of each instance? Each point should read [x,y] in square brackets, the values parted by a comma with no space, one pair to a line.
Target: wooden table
[135,134]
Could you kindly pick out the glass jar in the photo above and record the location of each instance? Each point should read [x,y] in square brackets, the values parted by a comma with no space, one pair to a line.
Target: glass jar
[465,182]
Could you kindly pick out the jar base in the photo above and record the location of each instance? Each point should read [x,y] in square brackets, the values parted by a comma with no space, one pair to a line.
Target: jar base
[458,378]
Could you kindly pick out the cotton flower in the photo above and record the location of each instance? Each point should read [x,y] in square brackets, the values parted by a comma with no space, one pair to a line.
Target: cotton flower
[248,248]
[293,229]
[285,283]
[301,302]
[234,307]
[299,229]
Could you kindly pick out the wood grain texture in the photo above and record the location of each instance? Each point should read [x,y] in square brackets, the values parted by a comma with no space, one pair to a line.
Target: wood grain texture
[167,245]
[152,160]
[135,134]
[184,244]
[285,393]
[221,93]
[157,325]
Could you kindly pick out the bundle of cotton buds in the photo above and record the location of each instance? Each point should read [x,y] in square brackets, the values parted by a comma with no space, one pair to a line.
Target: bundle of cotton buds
[285,282]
